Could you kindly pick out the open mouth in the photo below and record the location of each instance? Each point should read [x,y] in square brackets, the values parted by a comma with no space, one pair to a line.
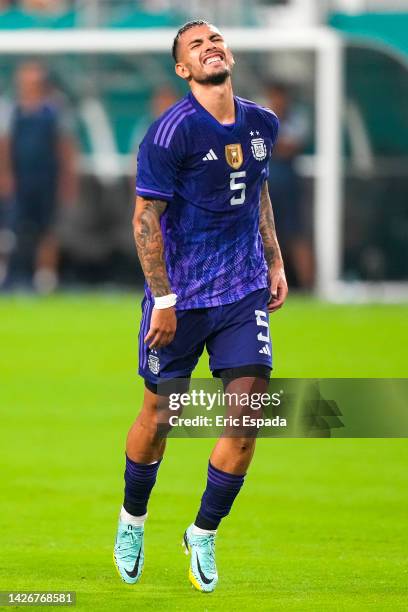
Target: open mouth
[213,59]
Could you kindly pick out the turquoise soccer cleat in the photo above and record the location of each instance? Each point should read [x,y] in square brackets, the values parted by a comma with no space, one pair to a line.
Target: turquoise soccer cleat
[128,553]
[203,571]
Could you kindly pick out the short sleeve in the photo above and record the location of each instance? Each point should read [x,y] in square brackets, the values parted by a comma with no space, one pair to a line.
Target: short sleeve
[273,124]
[158,165]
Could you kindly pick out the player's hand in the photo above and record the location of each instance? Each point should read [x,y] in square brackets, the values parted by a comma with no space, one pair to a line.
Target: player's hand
[163,326]
[278,287]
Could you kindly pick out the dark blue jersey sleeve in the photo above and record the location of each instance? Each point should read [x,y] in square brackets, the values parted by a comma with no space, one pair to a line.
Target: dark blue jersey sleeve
[272,123]
[158,165]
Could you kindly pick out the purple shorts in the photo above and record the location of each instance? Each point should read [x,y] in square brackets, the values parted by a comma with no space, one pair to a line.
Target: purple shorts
[235,335]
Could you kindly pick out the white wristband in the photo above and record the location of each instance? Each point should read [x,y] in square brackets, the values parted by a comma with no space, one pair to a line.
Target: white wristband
[165,301]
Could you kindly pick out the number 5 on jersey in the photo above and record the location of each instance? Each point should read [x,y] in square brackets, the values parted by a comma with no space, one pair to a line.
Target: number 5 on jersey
[238,198]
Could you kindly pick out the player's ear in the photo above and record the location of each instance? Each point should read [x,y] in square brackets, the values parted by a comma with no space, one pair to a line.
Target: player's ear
[182,71]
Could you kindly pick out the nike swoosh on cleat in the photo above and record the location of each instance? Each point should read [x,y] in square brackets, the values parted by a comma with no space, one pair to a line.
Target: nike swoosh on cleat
[134,571]
[200,571]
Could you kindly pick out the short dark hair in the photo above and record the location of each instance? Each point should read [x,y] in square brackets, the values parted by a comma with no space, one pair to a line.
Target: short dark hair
[184,28]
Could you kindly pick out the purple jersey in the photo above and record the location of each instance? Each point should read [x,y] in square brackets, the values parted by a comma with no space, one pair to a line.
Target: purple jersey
[211,175]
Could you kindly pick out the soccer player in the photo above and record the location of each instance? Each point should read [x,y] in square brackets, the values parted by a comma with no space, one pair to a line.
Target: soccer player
[207,244]
[37,169]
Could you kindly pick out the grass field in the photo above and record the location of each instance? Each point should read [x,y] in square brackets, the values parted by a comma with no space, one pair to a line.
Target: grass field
[320,525]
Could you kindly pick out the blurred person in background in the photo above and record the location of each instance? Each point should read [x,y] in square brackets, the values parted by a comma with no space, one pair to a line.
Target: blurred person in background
[37,6]
[6,235]
[162,99]
[284,183]
[37,170]
[44,6]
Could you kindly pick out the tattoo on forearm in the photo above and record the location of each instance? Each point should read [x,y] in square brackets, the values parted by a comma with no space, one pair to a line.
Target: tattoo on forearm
[150,247]
[267,229]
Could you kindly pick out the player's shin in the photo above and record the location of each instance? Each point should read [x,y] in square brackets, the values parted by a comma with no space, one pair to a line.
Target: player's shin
[140,479]
[219,495]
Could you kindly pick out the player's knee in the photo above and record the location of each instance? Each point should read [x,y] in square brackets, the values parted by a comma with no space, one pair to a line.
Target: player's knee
[154,416]
[156,407]
[243,446]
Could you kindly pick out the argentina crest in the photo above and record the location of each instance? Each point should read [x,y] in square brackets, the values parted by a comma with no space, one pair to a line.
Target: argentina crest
[259,150]
[234,155]
[153,362]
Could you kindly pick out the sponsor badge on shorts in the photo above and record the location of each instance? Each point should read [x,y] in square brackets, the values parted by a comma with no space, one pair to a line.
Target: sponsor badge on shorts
[153,363]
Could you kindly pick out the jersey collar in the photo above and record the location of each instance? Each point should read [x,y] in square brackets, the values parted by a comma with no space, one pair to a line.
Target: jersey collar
[224,129]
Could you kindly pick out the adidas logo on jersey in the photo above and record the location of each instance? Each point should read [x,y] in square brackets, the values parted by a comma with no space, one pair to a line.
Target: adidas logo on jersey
[211,156]
[265,350]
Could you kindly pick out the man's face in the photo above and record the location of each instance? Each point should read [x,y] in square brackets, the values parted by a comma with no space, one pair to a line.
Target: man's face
[203,56]
[30,80]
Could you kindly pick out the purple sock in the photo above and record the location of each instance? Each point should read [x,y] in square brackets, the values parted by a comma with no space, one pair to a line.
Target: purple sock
[219,495]
[139,482]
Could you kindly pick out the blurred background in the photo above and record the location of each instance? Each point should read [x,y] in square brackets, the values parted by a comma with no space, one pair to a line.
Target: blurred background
[71,123]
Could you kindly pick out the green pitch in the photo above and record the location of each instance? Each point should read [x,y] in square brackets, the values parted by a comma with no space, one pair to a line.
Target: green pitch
[319,525]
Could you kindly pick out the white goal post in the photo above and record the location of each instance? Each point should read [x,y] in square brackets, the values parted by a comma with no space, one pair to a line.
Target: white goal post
[327,45]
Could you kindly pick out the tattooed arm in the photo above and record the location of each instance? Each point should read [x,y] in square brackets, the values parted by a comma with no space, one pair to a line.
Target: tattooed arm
[273,256]
[149,244]
[150,248]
